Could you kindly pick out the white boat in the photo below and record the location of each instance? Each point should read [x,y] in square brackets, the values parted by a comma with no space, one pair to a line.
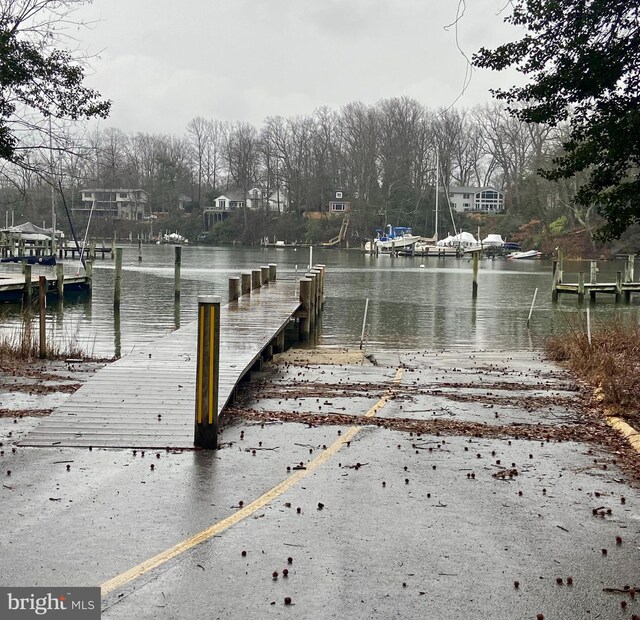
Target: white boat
[395,238]
[529,254]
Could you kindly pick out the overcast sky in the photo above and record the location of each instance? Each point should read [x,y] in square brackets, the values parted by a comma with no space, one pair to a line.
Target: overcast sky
[164,62]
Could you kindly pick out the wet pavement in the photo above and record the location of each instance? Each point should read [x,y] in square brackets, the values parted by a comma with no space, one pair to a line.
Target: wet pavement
[484,487]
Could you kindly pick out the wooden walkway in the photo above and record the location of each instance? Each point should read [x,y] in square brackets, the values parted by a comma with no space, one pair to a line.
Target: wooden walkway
[147,398]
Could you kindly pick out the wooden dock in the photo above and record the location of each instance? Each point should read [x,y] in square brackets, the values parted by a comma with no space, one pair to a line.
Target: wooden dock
[623,287]
[147,398]
[14,289]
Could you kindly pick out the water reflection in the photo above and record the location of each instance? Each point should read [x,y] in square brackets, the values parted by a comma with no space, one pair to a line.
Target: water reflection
[411,306]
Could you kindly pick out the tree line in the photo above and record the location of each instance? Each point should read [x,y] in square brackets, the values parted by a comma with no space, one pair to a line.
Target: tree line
[384,155]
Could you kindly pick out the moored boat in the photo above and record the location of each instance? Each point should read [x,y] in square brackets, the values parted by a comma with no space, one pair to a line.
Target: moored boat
[395,238]
[529,254]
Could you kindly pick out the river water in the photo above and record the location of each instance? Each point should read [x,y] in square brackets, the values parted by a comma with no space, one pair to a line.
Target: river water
[414,303]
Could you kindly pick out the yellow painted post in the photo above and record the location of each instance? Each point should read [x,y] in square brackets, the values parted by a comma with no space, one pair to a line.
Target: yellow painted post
[246,283]
[118,279]
[178,265]
[207,373]
[42,299]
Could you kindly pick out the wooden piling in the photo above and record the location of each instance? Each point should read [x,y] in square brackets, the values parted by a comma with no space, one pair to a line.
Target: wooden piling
[474,289]
[234,288]
[42,305]
[92,250]
[117,279]
[272,272]
[618,287]
[580,287]
[113,246]
[264,275]
[60,280]
[139,250]
[27,285]
[207,373]
[256,278]
[305,301]
[177,268]
[246,283]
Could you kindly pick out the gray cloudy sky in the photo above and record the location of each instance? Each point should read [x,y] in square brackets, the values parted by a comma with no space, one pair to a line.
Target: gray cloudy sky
[163,62]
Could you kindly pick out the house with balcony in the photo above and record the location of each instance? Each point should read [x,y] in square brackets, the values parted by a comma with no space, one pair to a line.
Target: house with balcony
[476,199]
[116,204]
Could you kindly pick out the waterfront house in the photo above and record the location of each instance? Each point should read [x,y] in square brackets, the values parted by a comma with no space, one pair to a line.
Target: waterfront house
[117,204]
[339,202]
[476,199]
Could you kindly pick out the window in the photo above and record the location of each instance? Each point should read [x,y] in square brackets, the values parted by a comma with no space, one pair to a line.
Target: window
[466,205]
[338,206]
[338,194]
[466,196]
[124,195]
[222,204]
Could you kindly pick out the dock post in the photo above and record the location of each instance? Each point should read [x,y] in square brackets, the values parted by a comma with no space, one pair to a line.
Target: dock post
[474,289]
[27,285]
[42,299]
[234,288]
[305,300]
[113,246]
[207,373]
[139,250]
[628,276]
[264,275]
[60,280]
[593,278]
[312,297]
[618,287]
[118,278]
[177,266]
[92,250]
[256,278]
[246,283]
[272,272]
[580,287]
[279,342]
[322,274]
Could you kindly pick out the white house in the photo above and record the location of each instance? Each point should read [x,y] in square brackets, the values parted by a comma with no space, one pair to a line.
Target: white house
[476,199]
[119,204]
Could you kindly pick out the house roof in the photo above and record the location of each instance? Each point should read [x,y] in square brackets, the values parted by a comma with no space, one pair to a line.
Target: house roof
[234,195]
[472,190]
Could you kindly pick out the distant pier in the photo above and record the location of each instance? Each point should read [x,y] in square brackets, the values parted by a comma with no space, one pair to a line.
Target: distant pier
[622,288]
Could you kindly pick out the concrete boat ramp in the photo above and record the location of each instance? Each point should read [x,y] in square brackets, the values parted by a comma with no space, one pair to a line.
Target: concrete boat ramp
[440,485]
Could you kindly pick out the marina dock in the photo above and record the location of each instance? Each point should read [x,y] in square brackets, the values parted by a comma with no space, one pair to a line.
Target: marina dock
[15,288]
[147,398]
[623,287]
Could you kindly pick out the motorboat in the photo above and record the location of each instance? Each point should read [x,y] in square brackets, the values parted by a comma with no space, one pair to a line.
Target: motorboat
[394,238]
[529,254]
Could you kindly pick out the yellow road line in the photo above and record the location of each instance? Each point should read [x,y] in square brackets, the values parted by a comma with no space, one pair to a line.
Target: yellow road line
[161,558]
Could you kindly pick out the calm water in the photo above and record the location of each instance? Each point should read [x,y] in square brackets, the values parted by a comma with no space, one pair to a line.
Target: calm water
[413,302]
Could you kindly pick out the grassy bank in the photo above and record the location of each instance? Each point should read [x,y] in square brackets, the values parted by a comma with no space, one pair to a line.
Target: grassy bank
[610,363]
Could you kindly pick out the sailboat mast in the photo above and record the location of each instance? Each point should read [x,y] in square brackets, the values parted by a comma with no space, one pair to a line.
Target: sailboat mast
[53,194]
[435,233]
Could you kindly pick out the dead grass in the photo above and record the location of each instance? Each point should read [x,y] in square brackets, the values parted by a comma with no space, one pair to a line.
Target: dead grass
[610,363]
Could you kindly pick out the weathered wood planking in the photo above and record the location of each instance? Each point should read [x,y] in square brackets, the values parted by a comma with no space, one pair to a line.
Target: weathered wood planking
[147,398]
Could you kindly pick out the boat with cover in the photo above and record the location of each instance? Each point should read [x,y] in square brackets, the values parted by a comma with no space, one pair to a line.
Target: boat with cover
[395,238]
